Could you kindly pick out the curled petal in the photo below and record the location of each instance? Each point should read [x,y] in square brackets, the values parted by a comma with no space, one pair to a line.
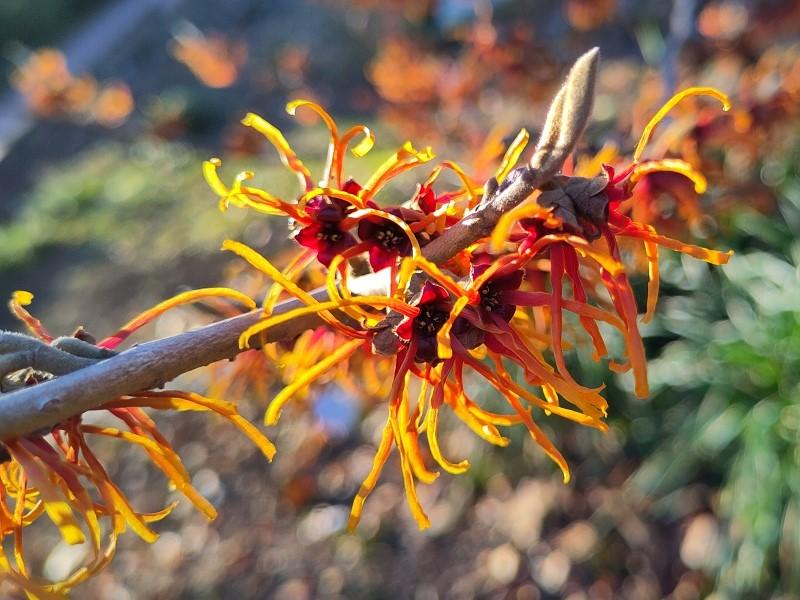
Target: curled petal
[184,298]
[583,248]
[619,288]
[244,196]
[308,376]
[445,349]
[674,165]
[211,175]
[227,410]
[288,156]
[623,226]
[669,105]
[19,300]
[325,307]
[381,456]
[485,430]
[381,214]
[473,190]
[578,307]
[292,271]
[166,460]
[444,280]
[573,271]
[527,210]
[292,107]
[339,265]
[410,441]
[329,123]
[541,439]
[407,157]
[55,503]
[115,499]
[266,267]
[359,150]
[512,155]
[330,192]
[653,280]
[408,478]
[431,426]
[536,433]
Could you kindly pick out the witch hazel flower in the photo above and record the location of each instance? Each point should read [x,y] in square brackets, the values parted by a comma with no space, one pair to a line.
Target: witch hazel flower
[324,214]
[324,234]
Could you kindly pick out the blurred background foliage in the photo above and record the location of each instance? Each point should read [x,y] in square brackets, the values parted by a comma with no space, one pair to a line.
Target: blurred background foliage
[693,493]
[40,22]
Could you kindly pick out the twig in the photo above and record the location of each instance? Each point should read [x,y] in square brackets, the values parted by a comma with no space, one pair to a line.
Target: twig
[153,364]
[19,351]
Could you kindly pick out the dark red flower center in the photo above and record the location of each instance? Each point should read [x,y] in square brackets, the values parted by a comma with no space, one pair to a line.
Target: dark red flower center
[491,297]
[429,320]
[329,233]
[390,237]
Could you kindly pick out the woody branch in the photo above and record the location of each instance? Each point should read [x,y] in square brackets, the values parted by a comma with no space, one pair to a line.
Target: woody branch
[155,363]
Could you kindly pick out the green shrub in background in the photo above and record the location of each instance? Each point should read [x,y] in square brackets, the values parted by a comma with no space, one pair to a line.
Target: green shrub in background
[725,409]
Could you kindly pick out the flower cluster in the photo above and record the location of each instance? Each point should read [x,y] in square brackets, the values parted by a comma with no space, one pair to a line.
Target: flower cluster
[56,474]
[494,309]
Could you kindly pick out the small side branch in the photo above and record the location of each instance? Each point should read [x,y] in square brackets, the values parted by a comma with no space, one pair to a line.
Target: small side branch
[63,356]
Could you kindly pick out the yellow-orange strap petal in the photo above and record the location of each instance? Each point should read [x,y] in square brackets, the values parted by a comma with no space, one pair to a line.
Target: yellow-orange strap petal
[669,105]
[512,155]
[307,377]
[20,299]
[183,298]
[381,456]
[288,156]
[431,423]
